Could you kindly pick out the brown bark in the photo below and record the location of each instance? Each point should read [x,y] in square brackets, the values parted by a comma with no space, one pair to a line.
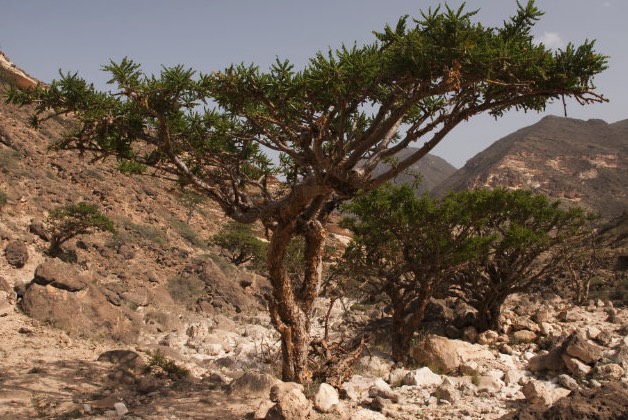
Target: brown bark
[405,323]
[291,304]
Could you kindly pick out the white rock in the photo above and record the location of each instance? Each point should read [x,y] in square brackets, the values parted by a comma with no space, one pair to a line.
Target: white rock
[422,377]
[326,398]
[121,409]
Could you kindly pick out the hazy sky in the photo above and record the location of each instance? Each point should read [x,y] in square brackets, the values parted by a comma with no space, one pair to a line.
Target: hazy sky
[43,36]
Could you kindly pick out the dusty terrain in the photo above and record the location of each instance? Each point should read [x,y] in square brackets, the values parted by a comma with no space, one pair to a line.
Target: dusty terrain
[161,295]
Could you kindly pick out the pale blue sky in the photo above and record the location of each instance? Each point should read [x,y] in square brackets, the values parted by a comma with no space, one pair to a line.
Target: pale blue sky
[42,36]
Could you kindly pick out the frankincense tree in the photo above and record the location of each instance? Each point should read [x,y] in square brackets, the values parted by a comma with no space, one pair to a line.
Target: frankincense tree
[331,123]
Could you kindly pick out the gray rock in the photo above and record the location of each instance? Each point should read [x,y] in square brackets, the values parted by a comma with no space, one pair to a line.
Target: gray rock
[356,388]
[60,275]
[524,336]
[537,393]
[121,409]
[568,382]
[16,254]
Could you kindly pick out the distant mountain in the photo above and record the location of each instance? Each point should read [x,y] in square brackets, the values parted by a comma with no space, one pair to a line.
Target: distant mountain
[433,170]
[580,162]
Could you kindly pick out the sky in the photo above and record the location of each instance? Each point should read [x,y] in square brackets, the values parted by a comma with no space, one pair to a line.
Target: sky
[43,36]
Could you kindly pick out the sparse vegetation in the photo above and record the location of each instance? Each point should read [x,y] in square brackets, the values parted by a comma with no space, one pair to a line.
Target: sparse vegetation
[239,243]
[332,121]
[186,232]
[163,367]
[185,289]
[70,221]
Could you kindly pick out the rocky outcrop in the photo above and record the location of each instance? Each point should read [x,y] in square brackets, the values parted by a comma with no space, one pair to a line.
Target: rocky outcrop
[447,355]
[60,296]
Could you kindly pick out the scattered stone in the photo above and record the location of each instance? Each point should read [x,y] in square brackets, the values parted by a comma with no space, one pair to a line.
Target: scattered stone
[524,336]
[326,398]
[577,368]
[121,409]
[579,346]
[356,388]
[262,411]
[487,383]
[59,275]
[447,392]
[609,372]
[16,254]
[280,389]
[253,383]
[292,406]
[381,389]
[38,228]
[446,355]
[512,376]
[568,382]
[547,361]
[422,377]
[488,338]
[537,393]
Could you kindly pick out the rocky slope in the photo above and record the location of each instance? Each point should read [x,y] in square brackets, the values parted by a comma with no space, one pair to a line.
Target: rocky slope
[151,323]
[431,170]
[580,162]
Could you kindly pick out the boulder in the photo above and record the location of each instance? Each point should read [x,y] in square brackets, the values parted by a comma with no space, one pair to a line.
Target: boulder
[447,355]
[326,398]
[609,372]
[280,389]
[422,377]
[537,393]
[16,254]
[381,389]
[59,275]
[253,384]
[356,388]
[576,367]
[524,336]
[292,406]
[60,296]
[581,347]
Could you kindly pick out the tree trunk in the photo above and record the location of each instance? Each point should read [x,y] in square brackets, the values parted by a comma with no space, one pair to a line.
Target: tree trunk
[291,304]
[405,323]
[488,314]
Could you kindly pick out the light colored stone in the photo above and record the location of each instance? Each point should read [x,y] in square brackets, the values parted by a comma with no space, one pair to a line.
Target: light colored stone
[593,332]
[568,382]
[326,398]
[489,384]
[292,406]
[395,378]
[120,408]
[422,377]
[609,372]
[447,355]
[521,323]
[447,392]
[524,336]
[280,389]
[488,337]
[381,389]
[537,393]
[262,410]
[577,368]
[512,376]
[580,347]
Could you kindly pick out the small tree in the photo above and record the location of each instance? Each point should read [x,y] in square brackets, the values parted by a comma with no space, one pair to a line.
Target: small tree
[408,248]
[239,243]
[70,221]
[529,231]
[331,122]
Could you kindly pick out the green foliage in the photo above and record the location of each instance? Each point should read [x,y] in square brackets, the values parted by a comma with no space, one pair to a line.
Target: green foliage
[162,366]
[240,244]
[331,122]
[69,221]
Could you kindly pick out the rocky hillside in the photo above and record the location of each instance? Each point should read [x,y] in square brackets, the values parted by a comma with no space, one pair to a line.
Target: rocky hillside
[151,323]
[431,170]
[581,162]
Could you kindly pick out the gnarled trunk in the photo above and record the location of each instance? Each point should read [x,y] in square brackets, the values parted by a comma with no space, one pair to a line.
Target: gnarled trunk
[405,323]
[291,304]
